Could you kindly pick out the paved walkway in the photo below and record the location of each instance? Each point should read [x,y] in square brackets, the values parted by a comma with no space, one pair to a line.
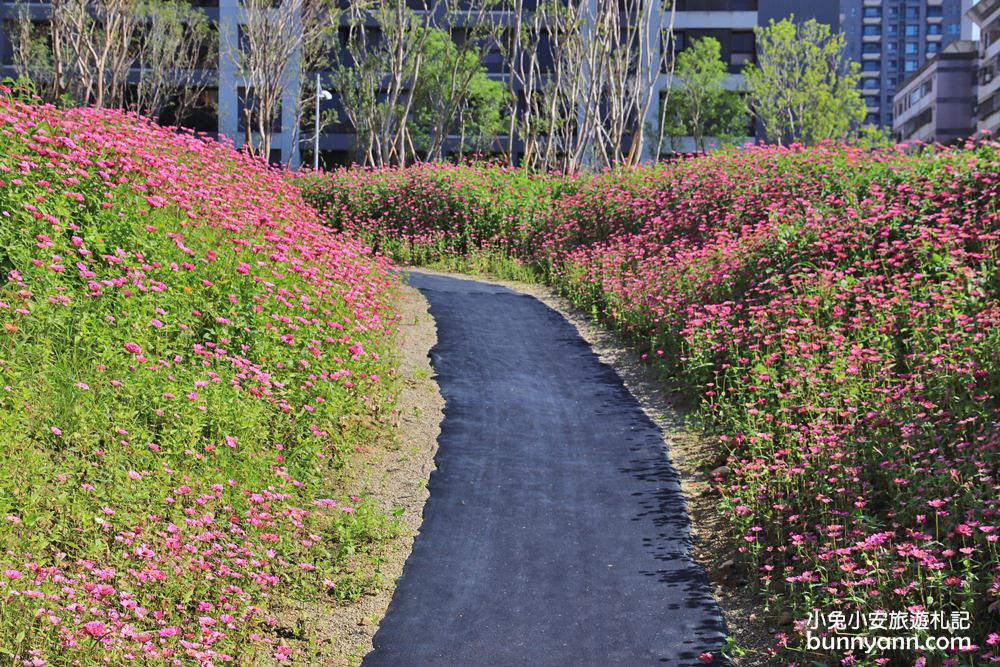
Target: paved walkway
[556,532]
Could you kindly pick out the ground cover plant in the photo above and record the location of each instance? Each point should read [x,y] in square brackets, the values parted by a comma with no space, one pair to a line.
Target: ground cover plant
[188,360]
[836,314]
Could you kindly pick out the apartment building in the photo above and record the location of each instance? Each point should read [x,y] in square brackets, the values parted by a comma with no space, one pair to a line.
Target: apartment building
[935,104]
[986,16]
[955,94]
[892,39]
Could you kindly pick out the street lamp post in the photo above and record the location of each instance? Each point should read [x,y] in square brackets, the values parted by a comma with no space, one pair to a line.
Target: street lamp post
[320,95]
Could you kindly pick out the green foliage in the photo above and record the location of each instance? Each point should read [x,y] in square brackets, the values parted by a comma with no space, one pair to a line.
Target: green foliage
[699,105]
[454,95]
[802,88]
[21,88]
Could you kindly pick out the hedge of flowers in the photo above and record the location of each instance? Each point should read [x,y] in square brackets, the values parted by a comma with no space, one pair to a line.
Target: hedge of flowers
[835,311]
[188,360]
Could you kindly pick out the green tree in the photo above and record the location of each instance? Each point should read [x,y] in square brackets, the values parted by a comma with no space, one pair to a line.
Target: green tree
[454,97]
[803,88]
[700,105]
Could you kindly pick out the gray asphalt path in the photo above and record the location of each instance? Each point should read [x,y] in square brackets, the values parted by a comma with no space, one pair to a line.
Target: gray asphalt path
[555,532]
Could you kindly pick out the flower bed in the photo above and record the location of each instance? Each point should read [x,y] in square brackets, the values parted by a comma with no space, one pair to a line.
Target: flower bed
[188,360]
[836,313]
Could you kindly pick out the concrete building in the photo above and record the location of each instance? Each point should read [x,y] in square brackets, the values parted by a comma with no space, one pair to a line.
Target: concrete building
[986,16]
[935,104]
[732,23]
[892,39]
[956,94]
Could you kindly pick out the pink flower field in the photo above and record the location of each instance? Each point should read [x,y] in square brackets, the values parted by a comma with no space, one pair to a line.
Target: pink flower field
[834,313]
[188,361]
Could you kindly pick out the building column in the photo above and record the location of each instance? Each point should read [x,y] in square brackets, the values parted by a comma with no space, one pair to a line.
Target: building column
[229,34]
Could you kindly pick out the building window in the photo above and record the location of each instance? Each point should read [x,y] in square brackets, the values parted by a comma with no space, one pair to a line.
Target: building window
[892,47]
[742,48]
[935,11]
[871,101]
[913,12]
[933,47]
[871,84]
[910,65]
[934,29]
[912,30]
[894,12]
[872,12]
[954,29]
[872,119]
[893,30]
[872,30]
[871,47]
[911,49]
[870,66]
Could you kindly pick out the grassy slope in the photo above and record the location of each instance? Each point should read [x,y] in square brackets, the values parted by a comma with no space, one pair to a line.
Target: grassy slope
[187,362]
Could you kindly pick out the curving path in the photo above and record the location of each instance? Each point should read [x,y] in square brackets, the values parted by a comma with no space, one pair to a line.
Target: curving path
[555,532]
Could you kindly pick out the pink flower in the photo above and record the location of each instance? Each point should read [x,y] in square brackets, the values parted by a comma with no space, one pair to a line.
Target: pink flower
[133,348]
[56,431]
[94,629]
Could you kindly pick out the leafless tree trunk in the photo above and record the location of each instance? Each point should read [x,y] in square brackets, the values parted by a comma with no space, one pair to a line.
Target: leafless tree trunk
[173,41]
[588,108]
[277,42]
[669,56]
[374,76]
[521,55]
[92,46]
[405,38]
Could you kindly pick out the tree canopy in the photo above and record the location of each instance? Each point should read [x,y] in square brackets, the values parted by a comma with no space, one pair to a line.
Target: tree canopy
[802,88]
[701,106]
